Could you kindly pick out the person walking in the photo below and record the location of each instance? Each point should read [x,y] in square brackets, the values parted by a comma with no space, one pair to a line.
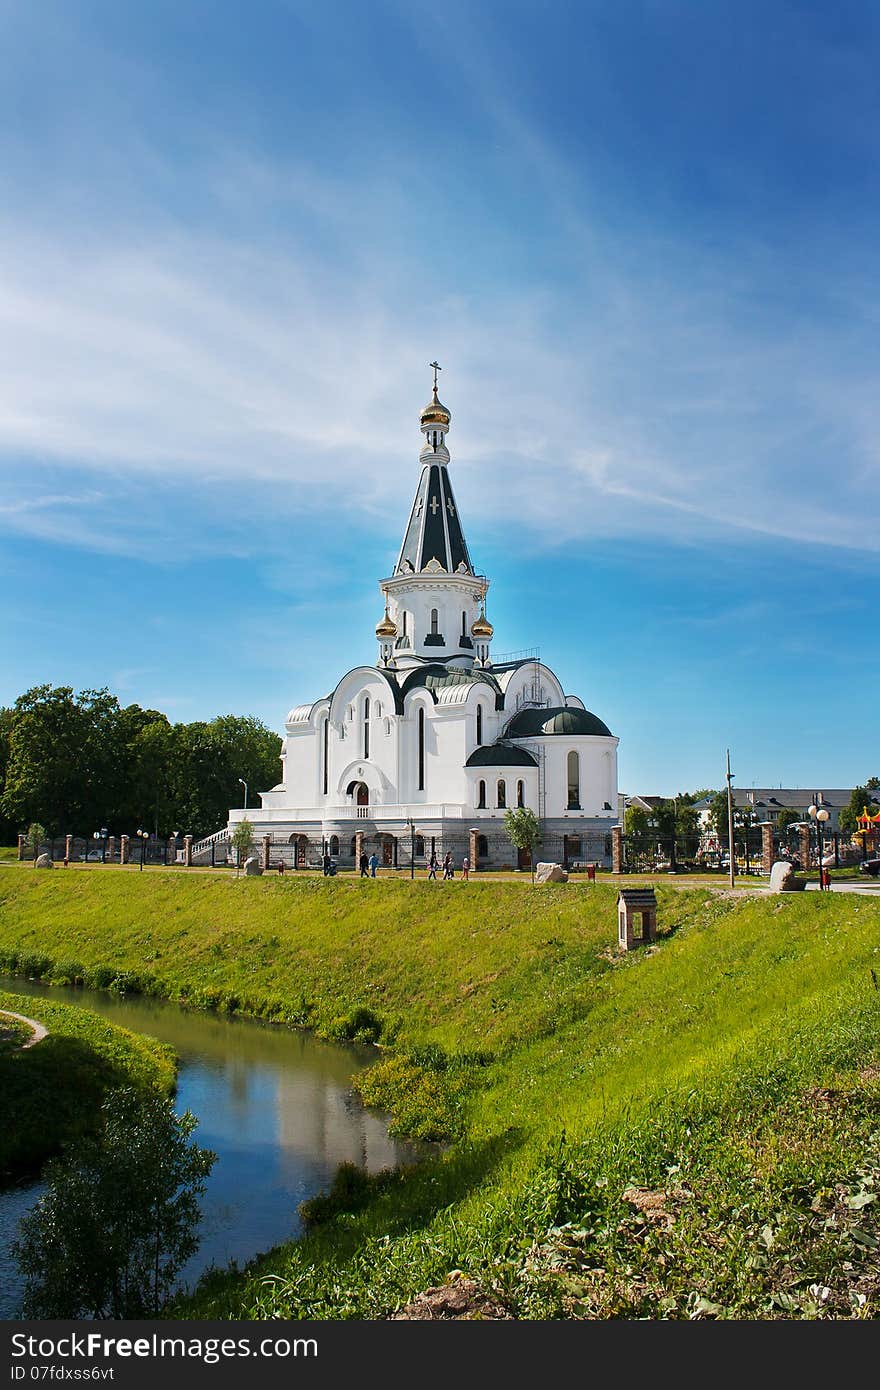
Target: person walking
[374,864]
[447,865]
[364,865]
[433,866]
[326,863]
[465,868]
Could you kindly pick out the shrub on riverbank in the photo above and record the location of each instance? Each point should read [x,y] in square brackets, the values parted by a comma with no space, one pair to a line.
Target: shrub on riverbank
[52,1092]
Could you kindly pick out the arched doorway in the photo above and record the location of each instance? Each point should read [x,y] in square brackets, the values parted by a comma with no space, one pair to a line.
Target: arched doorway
[360,795]
[389,851]
[300,850]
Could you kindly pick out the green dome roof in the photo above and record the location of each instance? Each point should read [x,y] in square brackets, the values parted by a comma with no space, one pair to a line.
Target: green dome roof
[500,755]
[437,677]
[562,720]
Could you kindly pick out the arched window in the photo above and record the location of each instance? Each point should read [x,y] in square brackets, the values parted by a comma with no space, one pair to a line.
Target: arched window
[479,724]
[366,726]
[377,710]
[464,631]
[334,845]
[421,748]
[419,844]
[435,622]
[482,847]
[326,754]
[502,793]
[481,795]
[574,781]
[353,846]
[520,793]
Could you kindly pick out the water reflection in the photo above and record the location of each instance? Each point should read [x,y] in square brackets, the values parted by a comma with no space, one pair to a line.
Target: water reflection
[275,1105]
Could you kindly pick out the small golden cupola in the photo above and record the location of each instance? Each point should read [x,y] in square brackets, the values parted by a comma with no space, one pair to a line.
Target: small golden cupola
[386,631]
[482,628]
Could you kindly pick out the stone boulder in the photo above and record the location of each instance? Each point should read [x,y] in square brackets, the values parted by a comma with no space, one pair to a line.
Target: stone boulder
[43,861]
[783,878]
[252,867]
[550,873]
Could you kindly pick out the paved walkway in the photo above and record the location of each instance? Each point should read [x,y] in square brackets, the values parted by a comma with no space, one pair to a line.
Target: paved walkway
[39,1030]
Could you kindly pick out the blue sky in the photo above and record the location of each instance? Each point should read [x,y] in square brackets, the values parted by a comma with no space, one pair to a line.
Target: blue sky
[642,240]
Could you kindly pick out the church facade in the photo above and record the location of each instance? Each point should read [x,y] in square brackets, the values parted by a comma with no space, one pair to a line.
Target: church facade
[425,750]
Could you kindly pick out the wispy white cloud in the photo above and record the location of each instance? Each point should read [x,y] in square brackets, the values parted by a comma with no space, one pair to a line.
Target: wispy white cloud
[639,385]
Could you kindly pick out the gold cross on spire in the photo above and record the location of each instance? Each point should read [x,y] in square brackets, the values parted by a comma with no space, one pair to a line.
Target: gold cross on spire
[437,368]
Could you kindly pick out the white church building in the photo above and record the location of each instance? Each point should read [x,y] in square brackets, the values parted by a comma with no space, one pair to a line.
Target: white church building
[425,750]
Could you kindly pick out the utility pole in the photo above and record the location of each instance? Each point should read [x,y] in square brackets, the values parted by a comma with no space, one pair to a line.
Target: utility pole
[730,819]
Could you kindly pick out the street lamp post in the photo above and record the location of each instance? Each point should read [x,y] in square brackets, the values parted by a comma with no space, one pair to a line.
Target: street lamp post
[101,835]
[244,784]
[143,836]
[673,862]
[818,813]
[412,848]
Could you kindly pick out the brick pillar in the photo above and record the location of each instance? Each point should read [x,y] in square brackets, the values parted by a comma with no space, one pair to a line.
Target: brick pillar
[267,841]
[472,849]
[187,851]
[767,851]
[616,850]
[804,845]
[358,850]
[68,848]
[124,849]
[22,845]
[111,848]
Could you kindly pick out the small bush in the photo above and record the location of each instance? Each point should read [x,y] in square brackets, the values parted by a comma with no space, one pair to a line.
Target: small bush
[360,1026]
[352,1189]
[67,972]
[99,976]
[33,965]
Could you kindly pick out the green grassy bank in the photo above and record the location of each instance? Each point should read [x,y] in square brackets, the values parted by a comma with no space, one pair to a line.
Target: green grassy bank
[52,1092]
[690,1131]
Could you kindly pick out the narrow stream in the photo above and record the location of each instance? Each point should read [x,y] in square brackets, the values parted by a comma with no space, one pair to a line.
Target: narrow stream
[275,1106]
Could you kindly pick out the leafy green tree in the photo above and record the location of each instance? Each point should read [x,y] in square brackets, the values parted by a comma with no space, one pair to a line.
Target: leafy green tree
[242,840]
[639,830]
[718,817]
[208,759]
[861,797]
[119,1218]
[36,834]
[8,825]
[787,816]
[524,831]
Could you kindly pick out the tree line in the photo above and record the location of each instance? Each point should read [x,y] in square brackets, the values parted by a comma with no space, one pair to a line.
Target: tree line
[677,815]
[79,762]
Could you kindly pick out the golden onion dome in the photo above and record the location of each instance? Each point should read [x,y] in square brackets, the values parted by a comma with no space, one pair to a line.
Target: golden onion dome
[386,627]
[482,627]
[435,413]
